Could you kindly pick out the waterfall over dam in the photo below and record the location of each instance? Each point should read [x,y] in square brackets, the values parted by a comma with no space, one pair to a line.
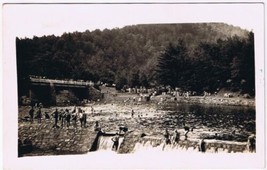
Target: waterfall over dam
[105,143]
[189,146]
[157,145]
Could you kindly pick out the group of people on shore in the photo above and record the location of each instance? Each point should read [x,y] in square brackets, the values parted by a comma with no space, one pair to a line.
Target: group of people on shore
[169,139]
[64,116]
[37,114]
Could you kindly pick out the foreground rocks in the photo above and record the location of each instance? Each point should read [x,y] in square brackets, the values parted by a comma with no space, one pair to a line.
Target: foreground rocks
[49,140]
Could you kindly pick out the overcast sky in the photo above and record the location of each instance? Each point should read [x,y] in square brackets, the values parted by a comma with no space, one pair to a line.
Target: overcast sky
[46,19]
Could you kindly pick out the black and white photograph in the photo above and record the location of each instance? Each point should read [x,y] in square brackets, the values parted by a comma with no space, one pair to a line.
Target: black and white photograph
[133,85]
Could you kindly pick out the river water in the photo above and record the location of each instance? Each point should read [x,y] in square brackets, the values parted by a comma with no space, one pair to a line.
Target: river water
[225,128]
[234,119]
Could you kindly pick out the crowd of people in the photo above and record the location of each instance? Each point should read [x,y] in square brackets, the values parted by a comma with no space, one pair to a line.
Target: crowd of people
[62,117]
[66,117]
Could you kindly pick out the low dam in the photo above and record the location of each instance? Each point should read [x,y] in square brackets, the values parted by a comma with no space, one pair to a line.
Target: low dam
[57,141]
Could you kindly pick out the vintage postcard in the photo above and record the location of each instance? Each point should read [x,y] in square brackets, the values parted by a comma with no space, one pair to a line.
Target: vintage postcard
[133,85]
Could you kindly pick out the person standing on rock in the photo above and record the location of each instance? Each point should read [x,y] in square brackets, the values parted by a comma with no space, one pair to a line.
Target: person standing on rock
[167,137]
[60,114]
[115,140]
[84,118]
[132,113]
[62,117]
[39,115]
[68,117]
[251,143]
[97,126]
[74,118]
[56,115]
[31,113]
[176,137]
[80,114]
[92,110]
[202,146]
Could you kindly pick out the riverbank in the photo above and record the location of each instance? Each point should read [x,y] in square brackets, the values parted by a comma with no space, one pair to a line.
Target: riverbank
[129,98]
[216,100]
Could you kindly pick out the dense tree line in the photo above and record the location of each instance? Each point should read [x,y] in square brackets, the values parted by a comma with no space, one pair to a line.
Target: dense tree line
[224,64]
[134,56]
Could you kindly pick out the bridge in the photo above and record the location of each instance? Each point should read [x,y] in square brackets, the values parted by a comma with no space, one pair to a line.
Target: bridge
[56,92]
[63,83]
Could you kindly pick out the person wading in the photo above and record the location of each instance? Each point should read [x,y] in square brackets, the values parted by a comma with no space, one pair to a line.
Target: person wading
[115,140]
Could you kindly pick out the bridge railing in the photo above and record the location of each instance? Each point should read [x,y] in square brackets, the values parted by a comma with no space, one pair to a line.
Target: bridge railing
[54,81]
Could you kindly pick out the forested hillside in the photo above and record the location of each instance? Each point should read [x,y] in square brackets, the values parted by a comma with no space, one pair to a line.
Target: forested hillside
[190,56]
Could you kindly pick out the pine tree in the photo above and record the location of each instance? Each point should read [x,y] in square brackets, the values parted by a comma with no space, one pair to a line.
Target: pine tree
[171,65]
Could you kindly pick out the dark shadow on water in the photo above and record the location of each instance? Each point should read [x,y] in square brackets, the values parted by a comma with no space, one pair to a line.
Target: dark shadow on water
[231,118]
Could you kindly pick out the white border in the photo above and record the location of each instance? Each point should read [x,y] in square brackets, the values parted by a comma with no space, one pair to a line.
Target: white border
[10,30]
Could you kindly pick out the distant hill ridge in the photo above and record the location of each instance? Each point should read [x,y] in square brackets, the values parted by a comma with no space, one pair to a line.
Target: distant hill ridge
[113,55]
[224,30]
[192,33]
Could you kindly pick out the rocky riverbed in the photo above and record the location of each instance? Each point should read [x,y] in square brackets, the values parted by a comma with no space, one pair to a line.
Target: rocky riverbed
[146,128]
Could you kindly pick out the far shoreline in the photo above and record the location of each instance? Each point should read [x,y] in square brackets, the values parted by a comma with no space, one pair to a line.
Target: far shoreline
[207,100]
[211,100]
[134,98]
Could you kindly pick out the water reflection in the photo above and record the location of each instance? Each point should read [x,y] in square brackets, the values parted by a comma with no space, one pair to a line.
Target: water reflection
[237,121]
